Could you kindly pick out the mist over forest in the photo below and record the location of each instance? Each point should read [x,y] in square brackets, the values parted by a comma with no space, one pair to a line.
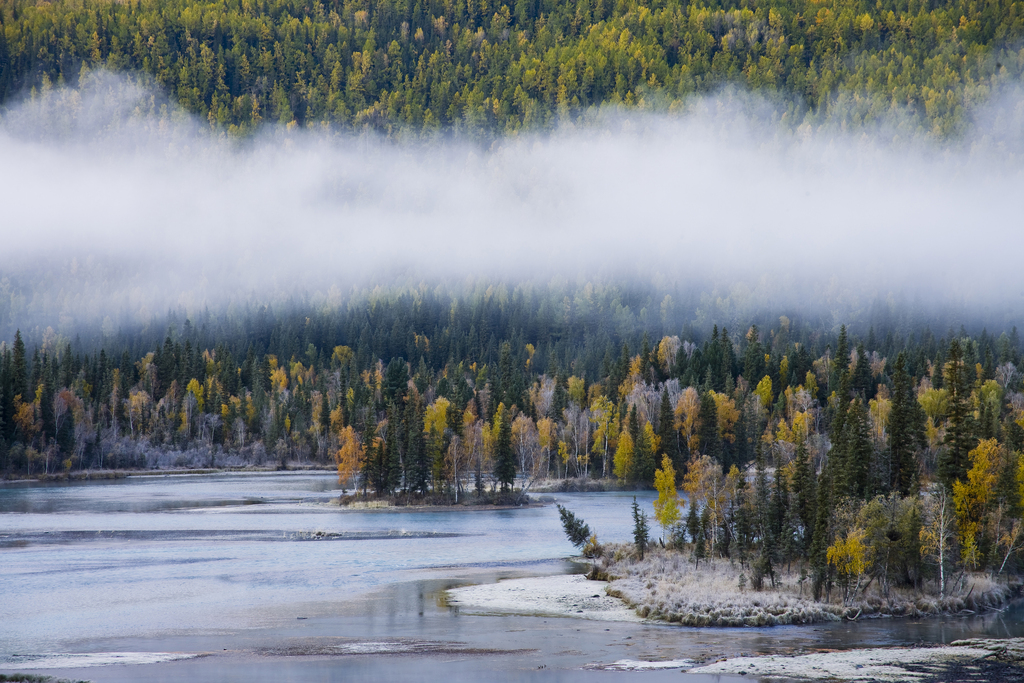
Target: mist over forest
[124,207]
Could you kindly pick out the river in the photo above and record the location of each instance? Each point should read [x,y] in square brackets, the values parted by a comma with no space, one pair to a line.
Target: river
[271,581]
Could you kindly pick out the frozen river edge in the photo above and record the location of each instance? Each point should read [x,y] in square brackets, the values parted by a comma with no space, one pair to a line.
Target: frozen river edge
[574,596]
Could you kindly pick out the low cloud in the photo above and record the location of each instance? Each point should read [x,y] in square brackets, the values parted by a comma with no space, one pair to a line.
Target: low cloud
[116,201]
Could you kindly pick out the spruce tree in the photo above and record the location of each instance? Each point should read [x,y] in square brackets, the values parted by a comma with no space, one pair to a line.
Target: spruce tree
[667,432]
[804,488]
[859,452]
[906,430]
[753,358]
[959,438]
[504,459]
[707,416]
[641,531]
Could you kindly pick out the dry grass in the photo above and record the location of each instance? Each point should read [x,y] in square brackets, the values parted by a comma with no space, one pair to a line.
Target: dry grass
[666,586]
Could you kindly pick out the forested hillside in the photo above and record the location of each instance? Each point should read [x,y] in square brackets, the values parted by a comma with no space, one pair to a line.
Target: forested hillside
[791,438]
[479,66]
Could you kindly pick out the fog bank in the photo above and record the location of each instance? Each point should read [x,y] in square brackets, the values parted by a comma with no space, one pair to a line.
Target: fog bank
[117,202]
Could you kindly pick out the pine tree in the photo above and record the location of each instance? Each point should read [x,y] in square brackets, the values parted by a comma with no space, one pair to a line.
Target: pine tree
[19,370]
[859,452]
[576,530]
[753,358]
[641,531]
[804,488]
[906,429]
[710,443]
[392,478]
[504,458]
[416,450]
[692,522]
[959,440]
[667,431]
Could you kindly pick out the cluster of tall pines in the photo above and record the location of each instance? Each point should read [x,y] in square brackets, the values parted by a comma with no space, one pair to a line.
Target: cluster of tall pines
[792,440]
[479,66]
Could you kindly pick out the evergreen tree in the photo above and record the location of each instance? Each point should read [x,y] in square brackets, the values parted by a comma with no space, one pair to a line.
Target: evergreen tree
[641,531]
[858,452]
[576,530]
[753,358]
[959,439]
[710,443]
[667,432]
[415,450]
[906,430]
[504,458]
[804,488]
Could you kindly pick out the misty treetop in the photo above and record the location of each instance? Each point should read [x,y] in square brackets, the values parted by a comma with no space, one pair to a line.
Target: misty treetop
[488,67]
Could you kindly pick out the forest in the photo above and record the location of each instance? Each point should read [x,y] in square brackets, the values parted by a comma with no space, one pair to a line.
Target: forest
[843,439]
[479,68]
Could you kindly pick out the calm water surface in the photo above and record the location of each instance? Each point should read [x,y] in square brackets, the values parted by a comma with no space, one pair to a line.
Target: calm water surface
[258,568]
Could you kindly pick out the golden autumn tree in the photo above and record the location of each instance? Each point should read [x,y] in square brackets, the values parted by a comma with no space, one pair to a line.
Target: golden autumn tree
[349,456]
[666,506]
[686,414]
[970,498]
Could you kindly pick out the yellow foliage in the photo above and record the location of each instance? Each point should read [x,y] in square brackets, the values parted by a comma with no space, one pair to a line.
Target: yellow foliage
[342,355]
[847,554]
[435,417]
[666,507]
[349,455]
[971,497]
[811,384]
[196,390]
[624,456]
[764,392]
[278,379]
[577,393]
[686,413]
[727,415]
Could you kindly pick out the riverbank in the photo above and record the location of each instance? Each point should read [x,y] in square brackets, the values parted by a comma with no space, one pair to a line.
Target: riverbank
[666,586]
[962,660]
[565,595]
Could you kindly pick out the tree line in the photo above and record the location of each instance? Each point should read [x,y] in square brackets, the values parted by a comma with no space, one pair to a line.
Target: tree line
[479,67]
[790,440]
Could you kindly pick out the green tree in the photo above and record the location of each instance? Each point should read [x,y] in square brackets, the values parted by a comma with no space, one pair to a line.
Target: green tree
[641,531]
[504,458]
[959,439]
[906,430]
[576,530]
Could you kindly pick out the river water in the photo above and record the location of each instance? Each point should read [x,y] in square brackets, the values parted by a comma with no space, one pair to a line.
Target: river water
[272,582]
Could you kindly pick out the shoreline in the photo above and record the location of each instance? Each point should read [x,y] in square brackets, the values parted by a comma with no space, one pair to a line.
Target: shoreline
[982,659]
[576,596]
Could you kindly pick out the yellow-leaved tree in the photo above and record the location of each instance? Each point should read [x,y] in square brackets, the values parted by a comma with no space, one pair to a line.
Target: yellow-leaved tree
[971,497]
[847,555]
[349,456]
[624,456]
[666,507]
[686,413]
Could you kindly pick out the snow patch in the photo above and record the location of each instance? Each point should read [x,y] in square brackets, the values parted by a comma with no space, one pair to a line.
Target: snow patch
[81,660]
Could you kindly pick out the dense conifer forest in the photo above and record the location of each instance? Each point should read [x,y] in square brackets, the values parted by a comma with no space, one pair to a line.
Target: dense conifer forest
[483,67]
[790,436]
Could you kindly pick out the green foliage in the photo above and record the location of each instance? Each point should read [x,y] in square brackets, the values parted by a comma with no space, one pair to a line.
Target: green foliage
[641,531]
[420,66]
[575,529]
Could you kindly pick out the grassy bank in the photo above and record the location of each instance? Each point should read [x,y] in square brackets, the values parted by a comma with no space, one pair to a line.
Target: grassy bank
[666,585]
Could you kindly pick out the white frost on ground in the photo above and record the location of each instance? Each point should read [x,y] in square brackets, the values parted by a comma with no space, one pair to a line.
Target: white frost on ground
[879,664]
[634,665]
[87,659]
[560,596]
